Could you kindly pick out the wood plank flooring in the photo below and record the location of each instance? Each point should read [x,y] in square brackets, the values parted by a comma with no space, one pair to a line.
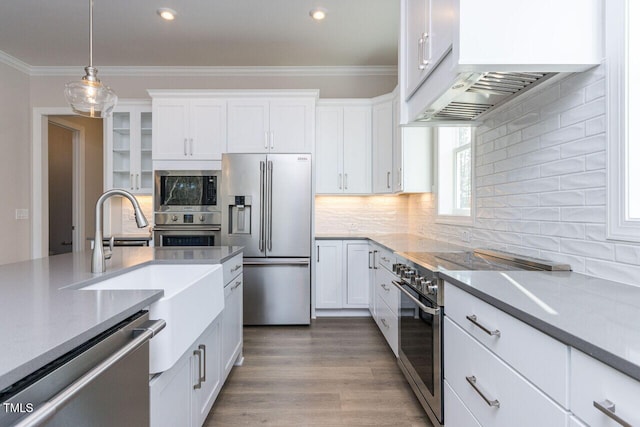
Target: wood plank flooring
[336,372]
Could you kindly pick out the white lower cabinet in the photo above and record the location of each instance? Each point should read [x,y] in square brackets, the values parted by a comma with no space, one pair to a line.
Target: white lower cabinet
[495,394]
[206,370]
[232,324]
[594,383]
[455,413]
[342,274]
[184,395]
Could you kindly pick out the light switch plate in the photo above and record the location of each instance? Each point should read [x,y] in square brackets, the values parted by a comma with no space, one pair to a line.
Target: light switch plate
[22,213]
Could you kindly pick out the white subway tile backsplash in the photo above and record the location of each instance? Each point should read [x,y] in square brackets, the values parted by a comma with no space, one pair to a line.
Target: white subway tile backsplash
[595,214]
[522,122]
[532,186]
[621,272]
[541,214]
[532,144]
[564,103]
[583,112]
[509,164]
[545,126]
[587,145]
[524,200]
[596,125]
[596,196]
[563,229]
[583,180]
[494,133]
[529,227]
[596,90]
[597,160]
[588,248]
[542,242]
[628,254]
[484,170]
[562,135]
[562,167]
[541,99]
[510,139]
[521,174]
[507,213]
[596,232]
[543,156]
[562,198]
[483,148]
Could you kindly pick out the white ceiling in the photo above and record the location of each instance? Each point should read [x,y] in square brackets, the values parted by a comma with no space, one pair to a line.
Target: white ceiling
[205,33]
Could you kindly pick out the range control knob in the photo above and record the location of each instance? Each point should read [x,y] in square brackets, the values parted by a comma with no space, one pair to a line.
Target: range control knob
[397,268]
[409,272]
[174,218]
[432,289]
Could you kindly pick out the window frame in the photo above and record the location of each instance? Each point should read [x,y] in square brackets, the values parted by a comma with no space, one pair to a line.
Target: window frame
[619,227]
[467,220]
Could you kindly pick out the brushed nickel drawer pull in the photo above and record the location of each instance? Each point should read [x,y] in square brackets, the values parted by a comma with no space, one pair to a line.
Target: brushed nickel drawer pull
[608,408]
[238,283]
[199,354]
[204,362]
[474,319]
[472,380]
[384,287]
[384,322]
[236,268]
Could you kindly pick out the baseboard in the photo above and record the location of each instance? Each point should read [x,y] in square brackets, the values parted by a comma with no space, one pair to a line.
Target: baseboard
[344,312]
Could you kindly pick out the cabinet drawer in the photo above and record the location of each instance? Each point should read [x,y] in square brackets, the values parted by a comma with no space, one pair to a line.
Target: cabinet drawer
[388,323]
[468,363]
[524,348]
[385,259]
[455,413]
[387,291]
[593,381]
[231,268]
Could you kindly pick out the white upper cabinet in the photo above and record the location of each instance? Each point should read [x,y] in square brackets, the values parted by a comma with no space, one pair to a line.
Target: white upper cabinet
[343,147]
[283,125]
[428,35]
[189,128]
[383,136]
[128,148]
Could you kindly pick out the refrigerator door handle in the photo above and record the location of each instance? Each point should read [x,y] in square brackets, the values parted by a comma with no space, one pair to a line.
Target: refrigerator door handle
[269,202]
[262,206]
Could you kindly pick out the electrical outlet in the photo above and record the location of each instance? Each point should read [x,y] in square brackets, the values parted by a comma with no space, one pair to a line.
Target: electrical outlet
[466,236]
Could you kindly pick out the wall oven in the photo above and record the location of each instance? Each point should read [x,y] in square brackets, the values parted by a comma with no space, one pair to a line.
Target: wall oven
[187,211]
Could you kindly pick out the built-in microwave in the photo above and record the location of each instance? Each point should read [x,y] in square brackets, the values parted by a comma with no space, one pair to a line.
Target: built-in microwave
[186,191]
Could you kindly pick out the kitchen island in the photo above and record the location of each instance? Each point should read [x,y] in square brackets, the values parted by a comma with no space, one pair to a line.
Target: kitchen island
[44,315]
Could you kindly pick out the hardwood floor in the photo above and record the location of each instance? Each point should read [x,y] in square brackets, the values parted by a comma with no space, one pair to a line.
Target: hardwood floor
[336,372]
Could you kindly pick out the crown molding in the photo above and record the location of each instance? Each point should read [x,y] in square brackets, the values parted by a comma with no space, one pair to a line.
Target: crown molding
[11,61]
[170,71]
[245,71]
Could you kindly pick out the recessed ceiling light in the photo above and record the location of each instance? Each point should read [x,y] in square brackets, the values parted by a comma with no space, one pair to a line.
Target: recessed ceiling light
[167,14]
[318,13]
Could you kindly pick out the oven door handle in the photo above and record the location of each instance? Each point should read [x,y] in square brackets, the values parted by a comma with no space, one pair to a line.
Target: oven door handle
[188,228]
[432,311]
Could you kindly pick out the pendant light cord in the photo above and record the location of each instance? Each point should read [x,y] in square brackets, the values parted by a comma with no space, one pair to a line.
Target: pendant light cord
[90,33]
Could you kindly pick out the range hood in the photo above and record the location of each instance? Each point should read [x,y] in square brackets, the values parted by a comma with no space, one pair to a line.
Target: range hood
[481,54]
[474,94]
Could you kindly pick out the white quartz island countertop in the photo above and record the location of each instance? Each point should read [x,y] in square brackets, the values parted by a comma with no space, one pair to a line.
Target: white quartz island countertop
[44,317]
[596,316]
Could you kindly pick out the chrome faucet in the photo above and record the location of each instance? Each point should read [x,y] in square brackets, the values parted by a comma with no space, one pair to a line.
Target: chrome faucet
[98,257]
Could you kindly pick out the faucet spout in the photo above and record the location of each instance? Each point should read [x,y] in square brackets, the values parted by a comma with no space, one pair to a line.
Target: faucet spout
[98,264]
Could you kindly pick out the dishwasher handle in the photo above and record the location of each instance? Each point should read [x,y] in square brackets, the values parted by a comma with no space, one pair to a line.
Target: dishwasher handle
[46,410]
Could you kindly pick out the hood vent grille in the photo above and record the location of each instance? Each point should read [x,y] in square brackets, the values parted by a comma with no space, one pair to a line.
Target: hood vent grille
[478,93]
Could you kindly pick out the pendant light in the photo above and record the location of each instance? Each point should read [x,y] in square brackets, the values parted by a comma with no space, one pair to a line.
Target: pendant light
[89,96]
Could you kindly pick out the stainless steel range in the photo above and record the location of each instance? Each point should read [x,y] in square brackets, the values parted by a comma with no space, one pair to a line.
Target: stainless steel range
[422,310]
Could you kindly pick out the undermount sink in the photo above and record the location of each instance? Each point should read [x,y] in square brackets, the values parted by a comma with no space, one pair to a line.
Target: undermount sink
[193,298]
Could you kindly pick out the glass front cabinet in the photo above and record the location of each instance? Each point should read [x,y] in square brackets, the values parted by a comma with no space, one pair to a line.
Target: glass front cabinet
[128,148]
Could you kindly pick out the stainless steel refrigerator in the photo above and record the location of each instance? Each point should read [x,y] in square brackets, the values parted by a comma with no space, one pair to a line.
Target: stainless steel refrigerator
[267,209]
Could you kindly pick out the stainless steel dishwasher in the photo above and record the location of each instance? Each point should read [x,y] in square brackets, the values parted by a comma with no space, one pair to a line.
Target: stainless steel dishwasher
[103,382]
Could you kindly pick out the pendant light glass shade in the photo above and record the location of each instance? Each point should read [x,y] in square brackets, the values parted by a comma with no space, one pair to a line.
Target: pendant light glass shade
[89,96]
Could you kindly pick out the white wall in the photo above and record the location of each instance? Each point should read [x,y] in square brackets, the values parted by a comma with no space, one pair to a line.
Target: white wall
[15,169]
[541,182]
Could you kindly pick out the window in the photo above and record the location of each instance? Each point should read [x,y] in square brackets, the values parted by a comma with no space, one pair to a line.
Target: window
[623,69]
[455,172]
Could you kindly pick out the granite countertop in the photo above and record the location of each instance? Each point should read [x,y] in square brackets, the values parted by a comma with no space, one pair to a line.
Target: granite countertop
[596,316]
[43,317]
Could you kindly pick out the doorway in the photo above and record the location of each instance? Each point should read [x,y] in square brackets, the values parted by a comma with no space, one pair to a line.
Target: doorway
[60,153]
